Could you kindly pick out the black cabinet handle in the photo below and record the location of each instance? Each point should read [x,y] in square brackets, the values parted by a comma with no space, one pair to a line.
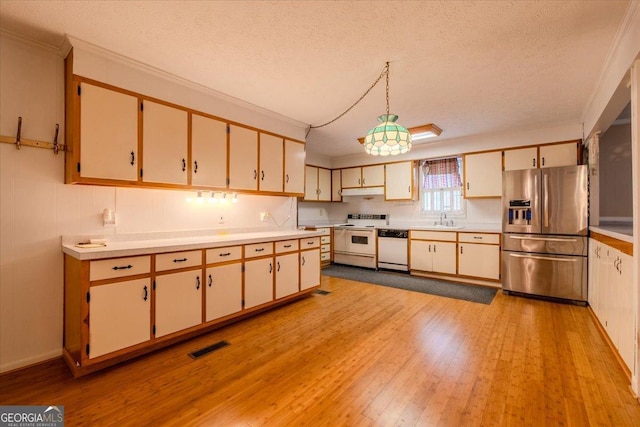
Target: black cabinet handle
[262,176]
[534,162]
[180,260]
[543,161]
[195,166]
[255,174]
[259,249]
[434,249]
[270,267]
[210,280]
[225,254]
[286,178]
[429,248]
[460,249]
[303,261]
[310,243]
[467,185]
[146,293]
[477,237]
[133,158]
[287,246]
[278,266]
[184,165]
[126,267]
[198,282]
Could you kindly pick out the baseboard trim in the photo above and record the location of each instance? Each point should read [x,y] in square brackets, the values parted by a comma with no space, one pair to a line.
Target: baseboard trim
[12,368]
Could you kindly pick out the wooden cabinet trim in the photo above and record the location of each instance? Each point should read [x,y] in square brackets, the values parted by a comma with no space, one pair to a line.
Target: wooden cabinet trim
[621,245]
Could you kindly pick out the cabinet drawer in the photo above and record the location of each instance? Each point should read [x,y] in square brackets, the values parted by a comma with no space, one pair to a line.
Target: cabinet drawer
[230,253]
[286,246]
[325,256]
[119,267]
[258,249]
[324,231]
[325,239]
[447,236]
[325,248]
[312,242]
[174,260]
[489,238]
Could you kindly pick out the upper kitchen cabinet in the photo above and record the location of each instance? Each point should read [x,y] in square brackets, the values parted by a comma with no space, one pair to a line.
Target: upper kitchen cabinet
[565,154]
[483,174]
[208,152]
[294,158]
[317,186]
[271,163]
[243,158]
[108,134]
[365,176]
[543,156]
[399,181]
[164,142]
[336,185]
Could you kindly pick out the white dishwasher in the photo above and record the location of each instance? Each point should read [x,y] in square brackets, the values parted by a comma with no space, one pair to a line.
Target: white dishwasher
[392,249]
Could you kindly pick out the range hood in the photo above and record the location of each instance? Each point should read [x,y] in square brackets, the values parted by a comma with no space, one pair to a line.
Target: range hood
[366,191]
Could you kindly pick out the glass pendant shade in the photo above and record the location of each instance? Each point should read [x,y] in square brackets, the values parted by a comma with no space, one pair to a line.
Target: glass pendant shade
[388,138]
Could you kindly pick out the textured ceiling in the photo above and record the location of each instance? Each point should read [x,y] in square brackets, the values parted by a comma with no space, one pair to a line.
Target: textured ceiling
[470,67]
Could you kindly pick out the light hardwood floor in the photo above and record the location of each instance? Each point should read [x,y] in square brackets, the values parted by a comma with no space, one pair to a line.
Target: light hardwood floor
[363,355]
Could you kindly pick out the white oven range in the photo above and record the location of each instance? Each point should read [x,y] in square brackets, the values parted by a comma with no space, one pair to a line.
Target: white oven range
[355,241]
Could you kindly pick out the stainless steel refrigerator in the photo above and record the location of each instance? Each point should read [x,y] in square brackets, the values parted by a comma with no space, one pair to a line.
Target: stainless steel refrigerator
[545,226]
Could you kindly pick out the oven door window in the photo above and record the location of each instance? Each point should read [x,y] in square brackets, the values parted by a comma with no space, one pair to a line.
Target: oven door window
[360,240]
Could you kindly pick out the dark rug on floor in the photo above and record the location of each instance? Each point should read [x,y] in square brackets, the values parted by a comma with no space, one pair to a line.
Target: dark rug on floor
[481,294]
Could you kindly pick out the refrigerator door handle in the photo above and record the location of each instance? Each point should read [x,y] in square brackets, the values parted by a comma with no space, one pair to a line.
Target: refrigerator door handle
[544,239]
[543,258]
[545,201]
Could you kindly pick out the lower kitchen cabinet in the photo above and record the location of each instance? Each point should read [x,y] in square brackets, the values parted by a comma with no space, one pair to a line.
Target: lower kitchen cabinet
[433,256]
[611,297]
[112,329]
[287,282]
[481,259]
[309,269]
[178,301]
[223,290]
[258,282]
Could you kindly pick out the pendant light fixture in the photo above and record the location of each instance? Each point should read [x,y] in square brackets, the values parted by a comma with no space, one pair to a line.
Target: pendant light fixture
[389,137]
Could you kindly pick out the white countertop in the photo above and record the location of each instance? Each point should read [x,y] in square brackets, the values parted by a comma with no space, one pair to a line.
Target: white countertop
[620,231]
[151,246]
[402,225]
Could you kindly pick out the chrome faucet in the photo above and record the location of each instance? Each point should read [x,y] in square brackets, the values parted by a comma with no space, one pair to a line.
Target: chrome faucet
[443,220]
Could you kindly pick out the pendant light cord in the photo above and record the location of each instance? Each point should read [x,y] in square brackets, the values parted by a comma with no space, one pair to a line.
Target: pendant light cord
[385,72]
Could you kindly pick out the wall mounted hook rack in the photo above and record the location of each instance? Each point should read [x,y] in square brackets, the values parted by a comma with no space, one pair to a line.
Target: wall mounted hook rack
[18,141]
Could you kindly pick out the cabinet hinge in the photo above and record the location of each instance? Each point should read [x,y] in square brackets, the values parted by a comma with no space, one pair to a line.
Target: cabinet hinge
[78,167]
[154,288]
[242,303]
[243,268]
[228,129]
[87,349]
[154,330]
[79,90]
[88,297]
[227,181]
[141,106]
[140,172]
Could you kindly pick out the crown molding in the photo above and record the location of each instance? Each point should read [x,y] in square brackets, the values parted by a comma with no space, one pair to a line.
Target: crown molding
[55,50]
[148,69]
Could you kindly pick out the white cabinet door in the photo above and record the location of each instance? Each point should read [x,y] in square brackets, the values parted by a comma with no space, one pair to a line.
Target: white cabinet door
[324,184]
[119,316]
[606,294]
[479,260]
[294,158]
[398,181]
[286,275]
[444,257]
[373,176]
[521,158]
[309,269]
[483,174]
[164,144]
[243,158]
[351,177]
[223,290]
[310,183]
[627,346]
[336,185]
[271,163]
[208,152]
[594,285]
[258,282]
[108,134]
[421,255]
[178,301]
[558,155]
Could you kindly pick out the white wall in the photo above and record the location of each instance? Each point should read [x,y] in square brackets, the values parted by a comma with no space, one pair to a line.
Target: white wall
[36,207]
